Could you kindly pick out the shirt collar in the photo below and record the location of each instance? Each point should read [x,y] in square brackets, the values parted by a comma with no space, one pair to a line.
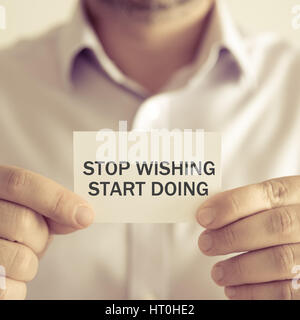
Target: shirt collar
[77,35]
[221,33]
[231,38]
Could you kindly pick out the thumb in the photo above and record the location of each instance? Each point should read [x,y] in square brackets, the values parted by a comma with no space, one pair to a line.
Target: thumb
[45,197]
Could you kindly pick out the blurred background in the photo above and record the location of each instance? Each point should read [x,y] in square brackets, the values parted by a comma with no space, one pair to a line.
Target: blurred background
[27,18]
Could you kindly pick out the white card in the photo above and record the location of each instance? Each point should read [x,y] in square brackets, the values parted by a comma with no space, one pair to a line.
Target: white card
[146,177]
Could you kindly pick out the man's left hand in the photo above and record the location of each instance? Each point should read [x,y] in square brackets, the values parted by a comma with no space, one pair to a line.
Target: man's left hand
[262,221]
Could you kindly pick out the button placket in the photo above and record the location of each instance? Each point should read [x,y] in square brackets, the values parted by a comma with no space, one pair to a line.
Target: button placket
[148,247]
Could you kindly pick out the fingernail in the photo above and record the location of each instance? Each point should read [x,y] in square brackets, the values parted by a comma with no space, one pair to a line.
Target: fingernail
[84,216]
[206,216]
[205,242]
[217,273]
[230,292]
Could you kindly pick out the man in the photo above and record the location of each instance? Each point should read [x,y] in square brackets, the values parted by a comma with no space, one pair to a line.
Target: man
[157,64]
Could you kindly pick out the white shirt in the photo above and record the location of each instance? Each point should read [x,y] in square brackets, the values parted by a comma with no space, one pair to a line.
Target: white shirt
[244,87]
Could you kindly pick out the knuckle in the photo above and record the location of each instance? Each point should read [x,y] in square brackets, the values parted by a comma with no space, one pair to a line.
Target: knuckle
[24,263]
[58,204]
[285,291]
[239,269]
[284,258]
[282,221]
[229,236]
[17,180]
[275,192]
[251,292]
[23,222]
[234,204]
[23,219]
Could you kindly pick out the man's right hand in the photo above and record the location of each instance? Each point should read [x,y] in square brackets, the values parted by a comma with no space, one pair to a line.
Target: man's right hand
[32,208]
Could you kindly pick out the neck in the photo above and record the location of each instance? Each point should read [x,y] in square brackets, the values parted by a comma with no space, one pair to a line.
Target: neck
[150,48]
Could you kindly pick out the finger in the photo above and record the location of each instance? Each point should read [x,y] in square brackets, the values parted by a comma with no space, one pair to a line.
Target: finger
[14,290]
[279,290]
[262,230]
[41,254]
[21,224]
[19,261]
[260,266]
[44,196]
[57,228]
[232,205]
